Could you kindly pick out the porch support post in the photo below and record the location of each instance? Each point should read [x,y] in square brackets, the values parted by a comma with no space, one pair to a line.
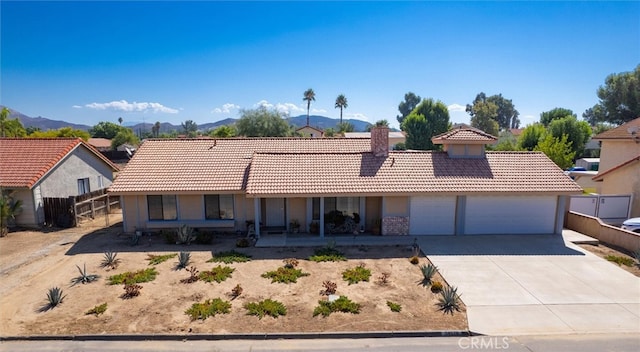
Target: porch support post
[287,218]
[363,213]
[256,210]
[321,217]
[309,217]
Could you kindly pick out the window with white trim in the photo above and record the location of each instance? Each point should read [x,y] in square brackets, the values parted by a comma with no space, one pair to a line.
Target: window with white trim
[83,186]
[218,206]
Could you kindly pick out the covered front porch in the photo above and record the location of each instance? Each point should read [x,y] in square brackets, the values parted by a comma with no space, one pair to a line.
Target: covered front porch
[304,240]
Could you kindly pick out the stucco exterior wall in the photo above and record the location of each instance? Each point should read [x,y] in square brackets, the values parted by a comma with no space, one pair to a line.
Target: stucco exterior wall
[593,227]
[396,206]
[373,211]
[62,180]
[298,211]
[624,181]
[616,152]
[190,207]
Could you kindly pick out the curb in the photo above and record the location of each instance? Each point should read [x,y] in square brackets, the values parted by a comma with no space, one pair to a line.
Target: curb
[253,336]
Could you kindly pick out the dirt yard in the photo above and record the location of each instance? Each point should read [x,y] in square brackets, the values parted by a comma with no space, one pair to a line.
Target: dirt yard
[33,262]
[602,250]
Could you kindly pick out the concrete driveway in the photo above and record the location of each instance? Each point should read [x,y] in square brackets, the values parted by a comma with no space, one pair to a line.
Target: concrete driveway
[535,284]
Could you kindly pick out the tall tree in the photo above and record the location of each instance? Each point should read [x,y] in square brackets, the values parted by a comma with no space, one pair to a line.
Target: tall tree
[507,115]
[484,118]
[341,102]
[125,136]
[262,122]
[120,120]
[4,116]
[531,136]
[555,114]
[105,129]
[225,131]
[309,95]
[577,132]
[190,128]
[619,99]
[345,127]
[406,107]
[559,150]
[428,119]
[10,127]
[155,129]
[63,132]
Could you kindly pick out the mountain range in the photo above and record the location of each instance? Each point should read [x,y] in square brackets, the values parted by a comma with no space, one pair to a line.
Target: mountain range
[321,122]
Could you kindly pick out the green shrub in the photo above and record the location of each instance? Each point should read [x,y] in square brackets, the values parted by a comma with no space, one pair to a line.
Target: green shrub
[357,274]
[169,236]
[217,274]
[185,235]
[284,275]
[204,238]
[620,260]
[327,254]
[84,278]
[449,300]
[208,308]
[157,259]
[342,304]
[128,277]
[427,273]
[243,243]
[395,307]
[97,310]
[266,307]
[131,290]
[229,257]
[436,287]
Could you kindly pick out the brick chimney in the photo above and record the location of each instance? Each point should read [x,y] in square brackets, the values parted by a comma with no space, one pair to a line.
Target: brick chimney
[380,141]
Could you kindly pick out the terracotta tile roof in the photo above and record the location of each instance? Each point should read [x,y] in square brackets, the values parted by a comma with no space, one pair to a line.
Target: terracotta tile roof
[100,142]
[621,132]
[464,134]
[24,161]
[404,173]
[198,165]
[309,127]
[599,177]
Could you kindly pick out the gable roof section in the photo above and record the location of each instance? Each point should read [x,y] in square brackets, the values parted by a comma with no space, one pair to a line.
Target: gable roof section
[309,127]
[24,161]
[211,165]
[280,174]
[464,135]
[621,132]
[601,176]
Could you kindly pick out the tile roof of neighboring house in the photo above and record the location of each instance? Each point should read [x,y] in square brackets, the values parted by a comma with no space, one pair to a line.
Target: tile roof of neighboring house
[599,177]
[622,131]
[197,165]
[464,135]
[24,161]
[100,142]
[274,174]
[392,134]
[305,127]
[516,131]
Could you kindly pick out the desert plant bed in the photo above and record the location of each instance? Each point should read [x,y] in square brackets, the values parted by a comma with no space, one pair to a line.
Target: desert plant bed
[161,305]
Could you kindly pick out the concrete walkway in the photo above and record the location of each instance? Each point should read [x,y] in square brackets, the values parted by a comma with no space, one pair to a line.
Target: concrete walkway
[536,284]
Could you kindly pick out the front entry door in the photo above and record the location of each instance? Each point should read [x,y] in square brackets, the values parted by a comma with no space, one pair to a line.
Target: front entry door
[275,212]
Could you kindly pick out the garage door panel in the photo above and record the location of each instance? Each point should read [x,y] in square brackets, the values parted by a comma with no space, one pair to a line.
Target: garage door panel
[432,215]
[510,215]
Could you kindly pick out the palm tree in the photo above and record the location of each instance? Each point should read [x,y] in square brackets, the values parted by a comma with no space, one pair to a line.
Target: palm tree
[341,102]
[309,95]
[9,209]
[120,120]
[156,129]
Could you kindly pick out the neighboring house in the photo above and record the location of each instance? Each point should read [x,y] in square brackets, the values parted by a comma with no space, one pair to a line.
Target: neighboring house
[394,137]
[34,168]
[101,144]
[308,131]
[619,170]
[224,183]
[590,164]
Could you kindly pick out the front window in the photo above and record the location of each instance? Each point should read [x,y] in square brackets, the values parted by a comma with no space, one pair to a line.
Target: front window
[218,206]
[162,207]
[83,186]
[345,205]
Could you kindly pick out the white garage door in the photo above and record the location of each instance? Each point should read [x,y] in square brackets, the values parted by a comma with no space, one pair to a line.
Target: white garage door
[432,215]
[510,215]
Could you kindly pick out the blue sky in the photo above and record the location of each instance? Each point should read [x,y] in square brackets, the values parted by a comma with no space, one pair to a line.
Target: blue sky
[86,62]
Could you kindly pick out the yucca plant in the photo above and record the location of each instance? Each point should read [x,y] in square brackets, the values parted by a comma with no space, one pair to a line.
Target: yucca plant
[84,278]
[427,273]
[449,300]
[185,235]
[55,297]
[110,260]
[183,260]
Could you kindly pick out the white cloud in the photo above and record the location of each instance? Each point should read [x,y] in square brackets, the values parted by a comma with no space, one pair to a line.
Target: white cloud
[318,110]
[263,103]
[357,116]
[457,107]
[123,105]
[225,109]
[77,107]
[286,108]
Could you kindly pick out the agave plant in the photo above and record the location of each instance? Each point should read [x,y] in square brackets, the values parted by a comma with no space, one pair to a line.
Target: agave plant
[427,273]
[183,260]
[185,235]
[449,300]
[55,297]
[84,278]
[110,260]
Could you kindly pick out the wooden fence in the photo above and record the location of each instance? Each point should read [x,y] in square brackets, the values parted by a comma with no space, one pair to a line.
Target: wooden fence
[69,212]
